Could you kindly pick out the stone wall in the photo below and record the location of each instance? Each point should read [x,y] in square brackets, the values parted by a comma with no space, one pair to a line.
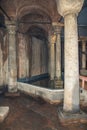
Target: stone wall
[39,57]
[32,56]
[49,95]
[22,57]
[3,58]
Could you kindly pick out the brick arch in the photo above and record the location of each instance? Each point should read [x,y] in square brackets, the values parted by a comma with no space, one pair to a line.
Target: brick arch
[28,9]
[33,14]
[36,30]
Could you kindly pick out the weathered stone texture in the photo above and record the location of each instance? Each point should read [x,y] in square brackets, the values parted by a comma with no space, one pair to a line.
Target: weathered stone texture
[3,58]
[69,10]
[52,96]
[3,113]
[22,56]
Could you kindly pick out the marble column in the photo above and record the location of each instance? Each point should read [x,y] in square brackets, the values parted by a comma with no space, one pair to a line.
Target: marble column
[12,65]
[69,10]
[52,39]
[83,55]
[58,81]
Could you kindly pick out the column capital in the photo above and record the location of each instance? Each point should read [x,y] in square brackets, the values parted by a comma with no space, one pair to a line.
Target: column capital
[52,37]
[84,41]
[11,26]
[57,28]
[66,7]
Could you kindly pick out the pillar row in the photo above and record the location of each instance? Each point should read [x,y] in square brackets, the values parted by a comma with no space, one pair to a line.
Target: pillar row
[12,65]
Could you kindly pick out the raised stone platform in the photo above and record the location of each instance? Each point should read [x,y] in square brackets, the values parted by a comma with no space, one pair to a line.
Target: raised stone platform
[67,118]
[3,113]
[49,95]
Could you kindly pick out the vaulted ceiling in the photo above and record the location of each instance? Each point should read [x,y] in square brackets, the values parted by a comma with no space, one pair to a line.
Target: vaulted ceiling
[29,12]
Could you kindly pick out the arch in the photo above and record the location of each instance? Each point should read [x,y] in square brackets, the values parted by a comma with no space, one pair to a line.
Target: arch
[38,32]
[30,8]
[34,15]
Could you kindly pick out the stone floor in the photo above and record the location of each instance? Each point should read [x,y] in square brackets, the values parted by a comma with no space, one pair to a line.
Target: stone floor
[27,113]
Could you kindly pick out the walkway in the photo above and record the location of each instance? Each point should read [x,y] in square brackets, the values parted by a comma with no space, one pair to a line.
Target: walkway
[27,113]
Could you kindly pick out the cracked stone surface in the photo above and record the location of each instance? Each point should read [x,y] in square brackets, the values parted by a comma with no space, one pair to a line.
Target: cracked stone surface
[3,112]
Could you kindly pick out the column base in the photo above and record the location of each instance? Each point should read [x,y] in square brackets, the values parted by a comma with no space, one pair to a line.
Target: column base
[58,84]
[12,88]
[12,94]
[51,84]
[3,113]
[83,72]
[69,118]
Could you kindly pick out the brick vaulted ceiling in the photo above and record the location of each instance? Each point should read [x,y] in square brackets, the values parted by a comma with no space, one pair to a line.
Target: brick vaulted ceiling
[25,11]
[19,8]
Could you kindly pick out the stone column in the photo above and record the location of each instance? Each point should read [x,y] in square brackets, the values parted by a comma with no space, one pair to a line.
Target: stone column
[52,41]
[12,66]
[58,81]
[83,55]
[83,70]
[69,10]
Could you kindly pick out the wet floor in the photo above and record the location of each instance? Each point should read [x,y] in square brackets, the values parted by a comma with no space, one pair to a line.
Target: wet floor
[27,113]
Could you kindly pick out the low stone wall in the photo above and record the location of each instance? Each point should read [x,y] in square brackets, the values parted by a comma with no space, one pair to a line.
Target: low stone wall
[50,95]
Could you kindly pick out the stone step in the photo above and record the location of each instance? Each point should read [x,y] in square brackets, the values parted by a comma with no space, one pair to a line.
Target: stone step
[15,94]
[3,113]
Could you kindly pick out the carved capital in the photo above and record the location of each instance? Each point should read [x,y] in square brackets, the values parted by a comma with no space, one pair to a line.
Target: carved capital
[56,28]
[11,27]
[69,6]
[52,38]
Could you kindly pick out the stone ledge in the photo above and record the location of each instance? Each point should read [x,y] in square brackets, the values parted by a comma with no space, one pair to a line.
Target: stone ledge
[3,113]
[49,95]
[69,118]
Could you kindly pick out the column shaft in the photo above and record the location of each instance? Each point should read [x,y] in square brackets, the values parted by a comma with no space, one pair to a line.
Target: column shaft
[71,92]
[52,62]
[52,39]
[12,67]
[58,57]
[83,55]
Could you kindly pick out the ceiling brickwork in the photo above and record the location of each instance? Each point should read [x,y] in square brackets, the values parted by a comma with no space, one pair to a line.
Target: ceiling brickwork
[19,8]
